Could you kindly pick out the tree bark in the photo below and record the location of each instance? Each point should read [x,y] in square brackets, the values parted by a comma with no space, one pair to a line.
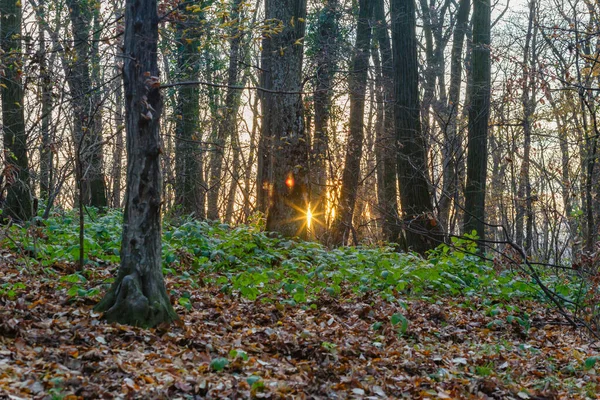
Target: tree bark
[284,144]
[590,130]
[479,111]
[18,203]
[86,105]
[327,56]
[422,231]
[138,296]
[452,150]
[380,135]
[524,230]
[235,177]
[95,175]
[189,193]
[46,151]
[567,189]
[428,83]
[117,167]
[386,150]
[342,224]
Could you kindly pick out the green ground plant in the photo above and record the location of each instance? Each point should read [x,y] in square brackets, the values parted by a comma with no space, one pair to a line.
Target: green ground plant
[246,261]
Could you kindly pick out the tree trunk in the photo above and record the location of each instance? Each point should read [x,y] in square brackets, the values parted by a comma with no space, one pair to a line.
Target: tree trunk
[168,141]
[528,101]
[95,175]
[567,189]
[386,150]
[457,220]
[117,166]
[86,105]
[235,177]
[46,151]
[188,158]
[379,138]
[118,154]
[285,147]
[452,149]
[586,102]
[18,204]
[251,157]
[428,82]
[479,111]
[263,169]
[421,228]
[327,55]
[357,81]
[138,296]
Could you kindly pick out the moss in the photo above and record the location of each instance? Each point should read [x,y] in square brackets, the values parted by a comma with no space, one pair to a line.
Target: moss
[126,303]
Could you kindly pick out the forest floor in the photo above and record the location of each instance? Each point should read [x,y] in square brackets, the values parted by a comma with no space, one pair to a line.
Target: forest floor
[54,346]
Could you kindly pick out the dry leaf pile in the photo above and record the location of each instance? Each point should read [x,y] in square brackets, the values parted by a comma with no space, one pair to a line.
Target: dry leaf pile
[53,346]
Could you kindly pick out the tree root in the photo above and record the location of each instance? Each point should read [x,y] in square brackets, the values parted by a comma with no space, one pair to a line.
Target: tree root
[126,303]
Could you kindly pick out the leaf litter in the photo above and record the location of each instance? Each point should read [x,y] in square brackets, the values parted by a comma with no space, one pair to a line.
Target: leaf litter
[55,346]
[270,343]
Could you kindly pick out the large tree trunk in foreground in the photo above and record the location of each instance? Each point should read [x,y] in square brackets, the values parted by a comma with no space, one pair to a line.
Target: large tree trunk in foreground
[18,203]
[284,179]
[138,296]
[342,224]
[421,228]
[479,111]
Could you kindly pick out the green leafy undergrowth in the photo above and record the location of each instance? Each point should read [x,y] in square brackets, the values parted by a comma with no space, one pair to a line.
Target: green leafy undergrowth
[249,262]
[252,263]
[57,238]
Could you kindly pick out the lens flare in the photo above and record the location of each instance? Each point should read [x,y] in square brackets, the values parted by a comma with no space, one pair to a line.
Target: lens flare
[289,182]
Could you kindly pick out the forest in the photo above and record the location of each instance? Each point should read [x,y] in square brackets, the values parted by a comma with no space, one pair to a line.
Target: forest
[299,199]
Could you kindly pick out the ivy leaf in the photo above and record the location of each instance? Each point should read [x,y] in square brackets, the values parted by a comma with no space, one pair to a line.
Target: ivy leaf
[239,353]
[590,362]
[219,364]
[185,302]
[399,319]
[73,291]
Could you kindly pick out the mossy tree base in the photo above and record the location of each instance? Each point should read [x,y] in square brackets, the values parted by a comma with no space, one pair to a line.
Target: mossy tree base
[127,303]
